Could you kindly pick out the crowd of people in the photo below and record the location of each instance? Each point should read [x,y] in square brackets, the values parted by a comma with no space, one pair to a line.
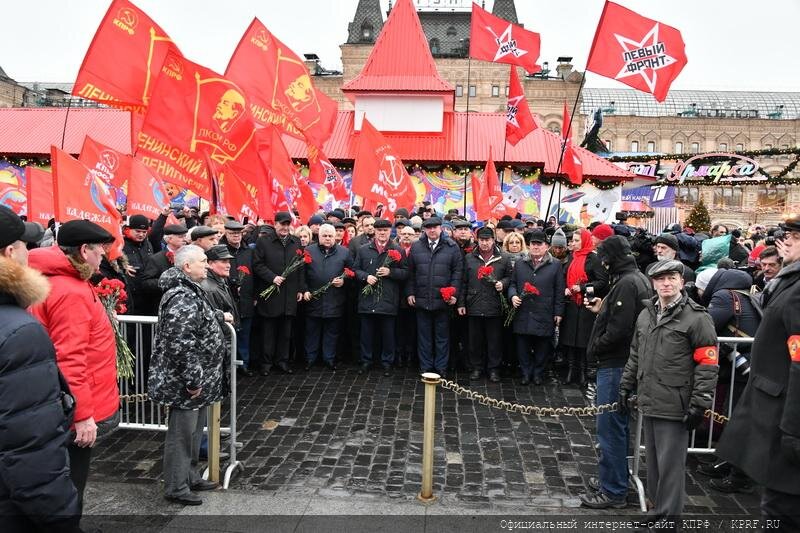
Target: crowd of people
[630,317]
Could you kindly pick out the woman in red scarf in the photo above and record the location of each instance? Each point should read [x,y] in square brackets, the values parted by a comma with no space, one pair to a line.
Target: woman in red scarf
[583,270]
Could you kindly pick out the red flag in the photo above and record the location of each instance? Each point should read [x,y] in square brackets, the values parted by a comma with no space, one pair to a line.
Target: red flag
[236,200]
[303,199]
[480,196]
[78,194]
[379,174]
[571,164]
[321,170]
[172,220]
[495,192]
[111,166]
[124,59]
[640,52]
[146,193]
[39,185]
[280,87]
[519,121]
[276,157]
[495,39]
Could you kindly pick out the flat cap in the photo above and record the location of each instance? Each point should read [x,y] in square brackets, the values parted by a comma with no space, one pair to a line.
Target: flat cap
[175,229]
[78,232]
[382,223]
[517,224]
[659,268]
[138,222]
[337,225]
[337,213]
[363,213]
[198,232]
[791,223]
[218,253]
[536,235]
[401,223]
[13,228]
[316,219]
[234,225]
[349,220]
[431,222]
[283,217]
[486,233]
[505,225]
[669,239]
[461,223]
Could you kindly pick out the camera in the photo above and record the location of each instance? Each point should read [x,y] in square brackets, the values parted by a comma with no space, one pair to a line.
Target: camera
[589,293]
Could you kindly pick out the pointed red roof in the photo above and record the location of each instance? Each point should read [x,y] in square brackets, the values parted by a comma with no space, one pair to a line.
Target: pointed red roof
[400,60]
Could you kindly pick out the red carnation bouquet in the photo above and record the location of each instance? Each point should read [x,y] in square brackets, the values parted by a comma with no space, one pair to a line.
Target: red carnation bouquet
[112,295]
[392,256]
[447,293]
[528,290]
[243,270]
[302,258]
[487,273]
[346,274]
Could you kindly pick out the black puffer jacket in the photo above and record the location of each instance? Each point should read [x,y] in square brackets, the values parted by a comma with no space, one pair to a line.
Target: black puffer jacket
[270,258]
[34,468]
[480,296]
[148,294]
[536,315]
[368,260]
[326,265]
[431,271]
[240,282]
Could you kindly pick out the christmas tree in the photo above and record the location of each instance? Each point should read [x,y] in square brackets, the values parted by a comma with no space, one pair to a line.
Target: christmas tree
[698,218]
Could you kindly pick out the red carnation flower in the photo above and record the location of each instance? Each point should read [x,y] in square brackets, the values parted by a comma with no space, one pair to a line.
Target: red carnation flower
[349,273]
[244,270]
[394,255]
[485,271]
[529,288]
[469,249]
[307,258]
[447,293]
[170,257]
[299,251]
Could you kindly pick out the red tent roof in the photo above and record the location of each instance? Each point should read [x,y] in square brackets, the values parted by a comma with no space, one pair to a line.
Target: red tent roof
[31,130]
[541,148]
[400,60]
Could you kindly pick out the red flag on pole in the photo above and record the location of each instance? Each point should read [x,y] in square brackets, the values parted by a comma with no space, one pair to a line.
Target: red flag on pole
[276,157]
[303,198]
[146,192]
[322,171]
[519,120]
[480,196]
[124,59]
[571,164]
[495,39]
[379,174]
[111,166]
[78,194]
[39,184]
[236,200]
[637,51]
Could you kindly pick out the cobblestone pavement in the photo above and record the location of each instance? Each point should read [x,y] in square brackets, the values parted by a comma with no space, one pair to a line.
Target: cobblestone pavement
[340,434]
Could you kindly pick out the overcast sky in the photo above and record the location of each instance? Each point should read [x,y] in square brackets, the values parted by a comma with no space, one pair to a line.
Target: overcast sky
[731,44]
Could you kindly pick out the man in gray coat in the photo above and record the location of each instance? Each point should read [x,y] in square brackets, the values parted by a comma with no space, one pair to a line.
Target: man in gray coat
[673,368]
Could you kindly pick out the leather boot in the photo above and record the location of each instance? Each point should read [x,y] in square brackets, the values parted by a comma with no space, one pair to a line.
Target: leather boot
[572,371]
[581,379]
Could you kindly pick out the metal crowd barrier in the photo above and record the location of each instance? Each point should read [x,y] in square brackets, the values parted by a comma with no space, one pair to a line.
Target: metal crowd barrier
[136,409]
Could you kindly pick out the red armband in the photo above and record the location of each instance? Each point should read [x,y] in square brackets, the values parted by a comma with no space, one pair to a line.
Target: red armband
[706,355]
[794,348]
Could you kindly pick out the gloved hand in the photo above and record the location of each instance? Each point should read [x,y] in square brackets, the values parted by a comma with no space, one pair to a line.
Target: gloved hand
[622,401]
[693,417]
[790,445]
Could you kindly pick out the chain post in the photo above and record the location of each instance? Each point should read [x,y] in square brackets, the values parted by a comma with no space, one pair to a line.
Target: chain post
[430,380]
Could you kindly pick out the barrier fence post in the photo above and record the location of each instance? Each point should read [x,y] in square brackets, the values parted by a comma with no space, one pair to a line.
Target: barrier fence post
[430,380]
[213,441]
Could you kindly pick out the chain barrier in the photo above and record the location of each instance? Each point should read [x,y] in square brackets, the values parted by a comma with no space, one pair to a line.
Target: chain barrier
[552,412]
[133,398]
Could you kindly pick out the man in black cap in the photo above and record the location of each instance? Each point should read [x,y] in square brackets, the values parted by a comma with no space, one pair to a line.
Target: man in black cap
[336,215]
[367,225]
[157,264]
[273,253]
[204,236]
[435,263]
[137,249]
[216,283]
[503,228]
[672,368]
[240,282]
[762,437]
[666,247]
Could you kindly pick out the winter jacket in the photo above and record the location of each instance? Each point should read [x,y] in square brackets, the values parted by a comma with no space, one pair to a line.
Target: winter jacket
[357,242]
[386,301]
[35,479]
[189,349]
[673,361]
[536,315]
[611,335]
[480,296]
[82,334]
[431,271]
[326,265]
[729,308]
[138,254]
[148,293]
[769,407]
[241,283]
[219,294]
[270,259]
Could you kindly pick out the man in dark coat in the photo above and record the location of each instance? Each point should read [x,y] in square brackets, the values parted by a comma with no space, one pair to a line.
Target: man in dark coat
[378,309]
[459,333]
[481,301]
[672,369]
[435,263]
[763,436]
[324,311]
[216,282]
[241,284]
[137,249]
[36,492]
[609,344]
[274,252]
[540,309]
[157,264]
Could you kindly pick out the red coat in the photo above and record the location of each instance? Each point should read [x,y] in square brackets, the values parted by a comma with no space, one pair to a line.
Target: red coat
[78,325]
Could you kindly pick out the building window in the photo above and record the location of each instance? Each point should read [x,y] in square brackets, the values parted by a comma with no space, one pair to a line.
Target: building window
[451,31]
[495,90]
[687,195]
[678,147]
[723,147]
[367,32]
[435,46]
[506,90]
[739,147]
[459,91]
[472,90]
[695,148]
[772,196]
[651,146]
[634,146]
[728,197]
[608,144]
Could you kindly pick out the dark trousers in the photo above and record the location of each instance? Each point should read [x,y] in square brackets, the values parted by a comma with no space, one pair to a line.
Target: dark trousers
[79,459]
[781,506]
[325,330]
[243,341]
[383,325]
[542,349]
[406,335]
[612,436]
[433,339]
[276,334]
[459,335]
[485,342]
[182,450]
[666,443]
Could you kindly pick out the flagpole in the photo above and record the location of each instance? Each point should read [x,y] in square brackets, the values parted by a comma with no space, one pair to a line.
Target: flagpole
[563,148]
[503,162]
[466,137]
[64,129]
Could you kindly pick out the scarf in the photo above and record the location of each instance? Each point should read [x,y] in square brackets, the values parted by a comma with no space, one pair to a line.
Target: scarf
[576,273]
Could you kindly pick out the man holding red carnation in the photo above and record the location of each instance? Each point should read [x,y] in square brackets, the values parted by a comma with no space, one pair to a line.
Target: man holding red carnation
[435,267]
